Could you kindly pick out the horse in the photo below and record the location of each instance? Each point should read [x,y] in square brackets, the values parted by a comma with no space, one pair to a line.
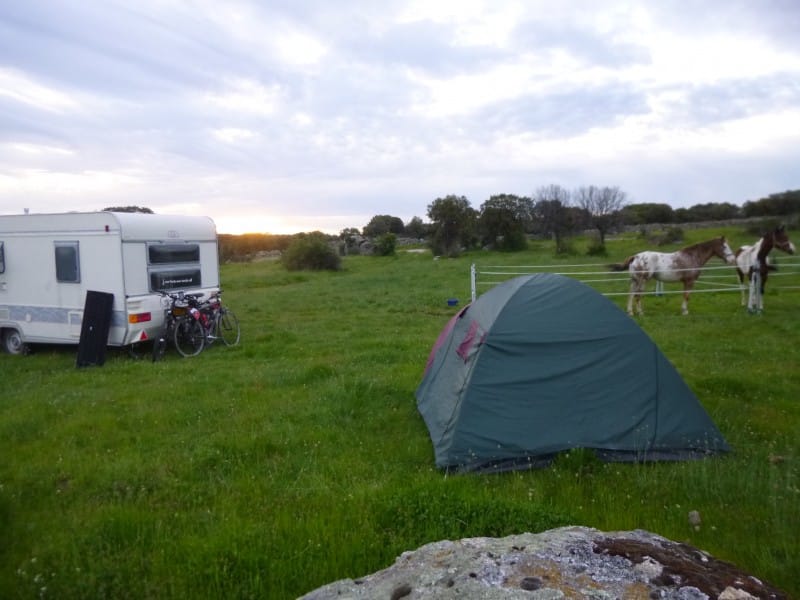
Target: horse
[683,265]
[752,263]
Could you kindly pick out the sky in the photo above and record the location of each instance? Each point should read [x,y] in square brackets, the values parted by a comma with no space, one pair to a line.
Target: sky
[281,116]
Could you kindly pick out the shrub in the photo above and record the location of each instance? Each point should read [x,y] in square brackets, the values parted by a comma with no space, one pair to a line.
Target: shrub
[385,244]
[674,234]
[513,241]
[671,235]
[311,251]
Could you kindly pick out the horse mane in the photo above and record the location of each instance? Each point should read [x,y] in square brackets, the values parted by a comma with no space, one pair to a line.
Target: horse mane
[767,244]
[705,244]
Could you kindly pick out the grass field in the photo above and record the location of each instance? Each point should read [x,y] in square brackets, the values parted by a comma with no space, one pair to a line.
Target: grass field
[298,458]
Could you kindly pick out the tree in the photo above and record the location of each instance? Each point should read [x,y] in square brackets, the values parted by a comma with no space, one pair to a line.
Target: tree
[552,214]
[380,224]
[242,247]
[350,237]
[503,221]
[647,212]
[453,223]
[415,228]
[129,209]
[603,206]
[781,204]
[710,211]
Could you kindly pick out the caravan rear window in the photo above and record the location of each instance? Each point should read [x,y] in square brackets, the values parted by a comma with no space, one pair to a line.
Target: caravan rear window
[163,280]
[68,268]
[161,254]
[173,266]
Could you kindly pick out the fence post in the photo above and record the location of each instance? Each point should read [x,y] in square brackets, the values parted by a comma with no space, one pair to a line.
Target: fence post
[754,301]
[472,282]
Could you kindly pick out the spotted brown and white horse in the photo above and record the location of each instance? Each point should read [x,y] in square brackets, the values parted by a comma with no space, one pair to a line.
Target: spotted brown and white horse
[752,265]
[684,265]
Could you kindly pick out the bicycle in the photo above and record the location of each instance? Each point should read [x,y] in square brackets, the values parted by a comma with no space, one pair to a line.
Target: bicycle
[182,326]
[219,322]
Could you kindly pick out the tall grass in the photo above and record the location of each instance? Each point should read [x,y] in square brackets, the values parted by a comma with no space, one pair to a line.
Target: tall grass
[298,457]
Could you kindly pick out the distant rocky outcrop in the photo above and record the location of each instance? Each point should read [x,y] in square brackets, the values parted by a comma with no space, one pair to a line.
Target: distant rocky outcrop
[570,562]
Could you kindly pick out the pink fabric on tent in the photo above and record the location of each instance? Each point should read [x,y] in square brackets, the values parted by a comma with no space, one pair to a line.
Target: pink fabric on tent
[443,336]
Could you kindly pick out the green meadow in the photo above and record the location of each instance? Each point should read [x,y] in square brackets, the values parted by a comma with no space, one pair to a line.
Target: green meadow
[298,457]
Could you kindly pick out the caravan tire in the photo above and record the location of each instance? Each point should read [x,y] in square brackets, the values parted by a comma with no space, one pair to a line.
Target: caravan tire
[12,342]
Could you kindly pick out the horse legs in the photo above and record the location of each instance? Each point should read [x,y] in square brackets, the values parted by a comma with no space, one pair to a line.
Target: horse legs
[630,298]
[740,275]
[687,288]
[635,296]
[755,300]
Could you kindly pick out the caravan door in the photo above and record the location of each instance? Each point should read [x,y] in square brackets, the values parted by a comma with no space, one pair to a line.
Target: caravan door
[69,291]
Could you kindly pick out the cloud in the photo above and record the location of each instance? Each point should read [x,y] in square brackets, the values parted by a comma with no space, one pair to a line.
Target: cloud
[284,112]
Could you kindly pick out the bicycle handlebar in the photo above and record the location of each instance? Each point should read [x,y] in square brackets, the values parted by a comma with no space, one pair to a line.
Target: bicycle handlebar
[191,298]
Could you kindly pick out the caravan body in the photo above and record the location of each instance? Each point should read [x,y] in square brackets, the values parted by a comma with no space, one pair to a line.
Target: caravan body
[48,262]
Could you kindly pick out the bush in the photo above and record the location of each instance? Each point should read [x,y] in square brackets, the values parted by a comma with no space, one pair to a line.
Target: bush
[385,244]
[513,241]
[674,234]
[671,235]
[311,251]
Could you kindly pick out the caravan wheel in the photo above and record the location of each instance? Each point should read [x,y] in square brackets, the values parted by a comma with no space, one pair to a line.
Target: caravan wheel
[12,342]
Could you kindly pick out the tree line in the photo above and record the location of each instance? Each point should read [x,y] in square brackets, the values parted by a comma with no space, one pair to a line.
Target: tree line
[506,221]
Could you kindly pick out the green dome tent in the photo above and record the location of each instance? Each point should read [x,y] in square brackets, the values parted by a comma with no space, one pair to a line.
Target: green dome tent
[543,363]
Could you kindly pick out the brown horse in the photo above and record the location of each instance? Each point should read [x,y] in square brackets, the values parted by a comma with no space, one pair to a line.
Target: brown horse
[683,265]
[752,263]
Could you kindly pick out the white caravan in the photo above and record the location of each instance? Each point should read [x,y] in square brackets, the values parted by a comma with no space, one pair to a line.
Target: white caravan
[49,261]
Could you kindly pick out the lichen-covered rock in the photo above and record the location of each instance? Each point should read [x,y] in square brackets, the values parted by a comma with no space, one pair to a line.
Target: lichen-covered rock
[570,562]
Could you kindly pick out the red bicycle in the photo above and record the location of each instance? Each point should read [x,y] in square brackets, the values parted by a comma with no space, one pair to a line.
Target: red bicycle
[218,321]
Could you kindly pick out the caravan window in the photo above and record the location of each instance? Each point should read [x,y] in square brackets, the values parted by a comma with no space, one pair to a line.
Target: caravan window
[2,259]
[174,279]
[173,266]
[68,268]
[173,253]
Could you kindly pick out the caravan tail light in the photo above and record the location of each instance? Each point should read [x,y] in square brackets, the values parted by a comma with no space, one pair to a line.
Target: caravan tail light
[140,317]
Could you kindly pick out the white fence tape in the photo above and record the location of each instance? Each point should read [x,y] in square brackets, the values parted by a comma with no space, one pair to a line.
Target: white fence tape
[496,274]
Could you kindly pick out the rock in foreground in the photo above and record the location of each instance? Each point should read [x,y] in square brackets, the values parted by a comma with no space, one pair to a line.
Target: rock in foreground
[570,562]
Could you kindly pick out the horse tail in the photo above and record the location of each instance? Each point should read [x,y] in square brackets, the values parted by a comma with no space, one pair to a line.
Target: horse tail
[623,266]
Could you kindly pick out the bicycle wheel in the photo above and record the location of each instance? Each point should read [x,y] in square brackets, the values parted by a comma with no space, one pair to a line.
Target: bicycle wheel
[227,327]
[189,337]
